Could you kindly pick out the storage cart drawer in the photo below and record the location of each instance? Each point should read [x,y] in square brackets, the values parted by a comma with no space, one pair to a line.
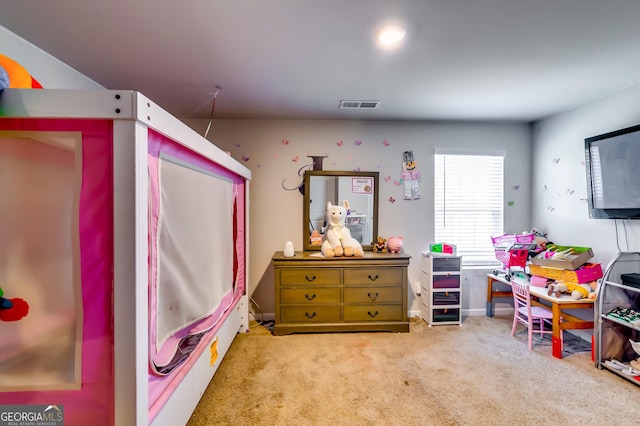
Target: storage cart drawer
[442,264]
[446,298]
[309,295]
[310,313]
[446,315]
[373,276]
[446,281]
[311,276]
[373,313]
[372,294]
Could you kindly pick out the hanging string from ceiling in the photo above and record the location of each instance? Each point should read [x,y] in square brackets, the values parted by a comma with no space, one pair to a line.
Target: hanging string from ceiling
[213,107]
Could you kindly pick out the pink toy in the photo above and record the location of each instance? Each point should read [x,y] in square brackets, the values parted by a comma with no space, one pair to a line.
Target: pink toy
[394,245]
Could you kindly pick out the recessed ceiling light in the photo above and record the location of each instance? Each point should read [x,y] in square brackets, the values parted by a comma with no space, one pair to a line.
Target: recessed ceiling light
[390,35]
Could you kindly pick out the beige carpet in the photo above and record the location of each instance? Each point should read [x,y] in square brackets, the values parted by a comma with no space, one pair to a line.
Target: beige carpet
[476,374]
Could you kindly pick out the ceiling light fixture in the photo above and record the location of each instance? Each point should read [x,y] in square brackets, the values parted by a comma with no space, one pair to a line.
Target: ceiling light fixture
[390,35]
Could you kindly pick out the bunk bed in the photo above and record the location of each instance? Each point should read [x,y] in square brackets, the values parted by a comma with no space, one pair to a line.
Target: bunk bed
[126,234]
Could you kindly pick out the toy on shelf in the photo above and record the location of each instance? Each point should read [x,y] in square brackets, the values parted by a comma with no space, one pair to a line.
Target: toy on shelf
[577,291]
[563,257]
[337,239]
[442,248]
[512,250]
[380,245]
[315,238]
[15,76]
[635,364]
[12,309]
[395,244]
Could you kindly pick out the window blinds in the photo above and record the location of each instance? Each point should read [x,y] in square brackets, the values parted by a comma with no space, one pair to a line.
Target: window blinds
[469,204]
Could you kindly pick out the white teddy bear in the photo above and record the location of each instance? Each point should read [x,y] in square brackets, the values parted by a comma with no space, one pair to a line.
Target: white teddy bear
[337,239]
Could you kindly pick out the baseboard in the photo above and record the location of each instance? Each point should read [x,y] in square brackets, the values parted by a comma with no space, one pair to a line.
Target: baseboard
[268,316]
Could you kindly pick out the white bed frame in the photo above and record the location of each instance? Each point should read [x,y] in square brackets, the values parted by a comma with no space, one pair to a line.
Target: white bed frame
[133,115]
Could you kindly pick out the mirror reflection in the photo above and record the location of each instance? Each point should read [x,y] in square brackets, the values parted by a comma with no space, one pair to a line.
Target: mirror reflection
[359,189]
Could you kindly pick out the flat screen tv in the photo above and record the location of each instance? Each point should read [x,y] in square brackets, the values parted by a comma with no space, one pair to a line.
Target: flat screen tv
[613,174]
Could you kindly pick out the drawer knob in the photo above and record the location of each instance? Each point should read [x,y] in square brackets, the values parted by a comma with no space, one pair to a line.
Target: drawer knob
[373,297]
[373,278]
[313,296]
[373,315]
[310,315]
[310,278]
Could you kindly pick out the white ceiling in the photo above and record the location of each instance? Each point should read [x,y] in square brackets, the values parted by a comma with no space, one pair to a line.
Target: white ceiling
[461,59]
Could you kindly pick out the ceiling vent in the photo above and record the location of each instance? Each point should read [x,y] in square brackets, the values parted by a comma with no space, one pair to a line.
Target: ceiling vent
[359,104]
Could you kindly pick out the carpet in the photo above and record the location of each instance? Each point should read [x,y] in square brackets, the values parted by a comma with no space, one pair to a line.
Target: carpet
[475,374]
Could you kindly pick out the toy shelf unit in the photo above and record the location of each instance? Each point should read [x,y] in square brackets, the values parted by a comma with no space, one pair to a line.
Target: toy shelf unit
[441,293]
[126,232]
[512,250]
[617,316]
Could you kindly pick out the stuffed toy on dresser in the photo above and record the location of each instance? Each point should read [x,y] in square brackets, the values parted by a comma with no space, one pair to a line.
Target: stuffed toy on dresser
[337,240]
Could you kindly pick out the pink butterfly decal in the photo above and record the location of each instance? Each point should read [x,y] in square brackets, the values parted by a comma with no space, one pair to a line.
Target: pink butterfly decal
[392,200]
[285,142]
[388,178]
[245,158]
[358,143]
[295,159]
[340,143]
[385,143]
[397,182]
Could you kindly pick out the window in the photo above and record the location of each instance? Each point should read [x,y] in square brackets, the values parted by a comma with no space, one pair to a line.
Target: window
[469,204]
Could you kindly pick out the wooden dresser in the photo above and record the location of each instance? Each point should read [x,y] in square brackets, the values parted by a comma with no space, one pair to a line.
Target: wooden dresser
[314,294]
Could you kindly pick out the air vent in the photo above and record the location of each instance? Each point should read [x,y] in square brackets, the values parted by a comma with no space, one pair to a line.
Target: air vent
[359,104]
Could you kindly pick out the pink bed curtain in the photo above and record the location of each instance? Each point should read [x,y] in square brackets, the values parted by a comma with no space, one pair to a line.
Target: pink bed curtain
[196,246]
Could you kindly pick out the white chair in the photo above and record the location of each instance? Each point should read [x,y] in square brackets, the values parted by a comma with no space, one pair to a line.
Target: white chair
[534,317]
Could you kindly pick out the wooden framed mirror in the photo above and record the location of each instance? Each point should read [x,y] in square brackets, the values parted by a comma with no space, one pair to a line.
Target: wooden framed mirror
[360,189]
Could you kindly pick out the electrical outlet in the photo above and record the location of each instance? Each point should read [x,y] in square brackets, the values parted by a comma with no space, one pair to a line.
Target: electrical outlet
[418,288]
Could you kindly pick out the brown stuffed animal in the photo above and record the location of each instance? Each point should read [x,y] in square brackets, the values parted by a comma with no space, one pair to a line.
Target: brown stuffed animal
[380,245]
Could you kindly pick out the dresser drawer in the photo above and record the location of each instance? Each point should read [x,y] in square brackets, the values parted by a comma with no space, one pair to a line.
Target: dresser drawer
[446,281]
[372,294]
[310,313]
[446,298]
[311,276]
[373,276]
[309,295]
[373,313]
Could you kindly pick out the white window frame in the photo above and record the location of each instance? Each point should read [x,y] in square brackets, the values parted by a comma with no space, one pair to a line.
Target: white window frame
[469,203]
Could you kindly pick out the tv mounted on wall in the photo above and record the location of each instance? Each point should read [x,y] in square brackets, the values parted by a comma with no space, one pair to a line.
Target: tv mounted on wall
[613,174]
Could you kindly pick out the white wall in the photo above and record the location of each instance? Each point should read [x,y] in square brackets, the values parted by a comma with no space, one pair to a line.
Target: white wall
[276,150]
[50,72]
[559,176]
